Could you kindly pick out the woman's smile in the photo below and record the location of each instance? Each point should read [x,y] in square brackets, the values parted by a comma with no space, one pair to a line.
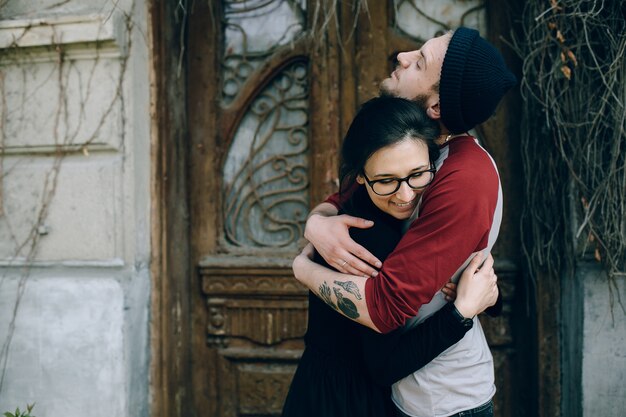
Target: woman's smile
[411,204]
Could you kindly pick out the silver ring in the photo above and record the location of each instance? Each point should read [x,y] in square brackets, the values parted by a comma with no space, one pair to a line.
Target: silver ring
[344,263]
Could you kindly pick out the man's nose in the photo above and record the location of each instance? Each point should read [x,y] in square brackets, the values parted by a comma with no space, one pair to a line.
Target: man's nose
[405,193]
[404,59]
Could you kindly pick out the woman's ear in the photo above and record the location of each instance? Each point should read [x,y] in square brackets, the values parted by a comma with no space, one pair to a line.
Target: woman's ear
[360,179]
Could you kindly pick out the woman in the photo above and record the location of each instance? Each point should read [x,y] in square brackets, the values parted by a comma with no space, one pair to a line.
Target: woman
[347,369]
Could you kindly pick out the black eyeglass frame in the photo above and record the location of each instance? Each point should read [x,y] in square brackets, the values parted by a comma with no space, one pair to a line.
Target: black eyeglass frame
[371,183]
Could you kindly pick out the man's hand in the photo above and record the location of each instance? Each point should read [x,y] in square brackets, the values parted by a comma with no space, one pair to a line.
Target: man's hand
[331,238]
[477,288]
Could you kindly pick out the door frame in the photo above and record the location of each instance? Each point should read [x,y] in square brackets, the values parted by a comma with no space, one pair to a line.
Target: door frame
[171,321]
[170,330]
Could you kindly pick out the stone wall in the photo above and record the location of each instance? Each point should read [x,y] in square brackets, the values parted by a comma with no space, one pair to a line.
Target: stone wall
[603,346]
[75,207]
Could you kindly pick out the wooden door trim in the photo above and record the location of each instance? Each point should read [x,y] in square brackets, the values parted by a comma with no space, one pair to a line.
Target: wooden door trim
[170,313]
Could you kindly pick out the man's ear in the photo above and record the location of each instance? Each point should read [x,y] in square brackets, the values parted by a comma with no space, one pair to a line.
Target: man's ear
[433,110]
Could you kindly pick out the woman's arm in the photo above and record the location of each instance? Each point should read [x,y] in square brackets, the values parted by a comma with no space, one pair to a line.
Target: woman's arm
[393,356]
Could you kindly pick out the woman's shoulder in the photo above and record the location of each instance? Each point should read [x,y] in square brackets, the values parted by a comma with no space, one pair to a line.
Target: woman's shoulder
[360,204]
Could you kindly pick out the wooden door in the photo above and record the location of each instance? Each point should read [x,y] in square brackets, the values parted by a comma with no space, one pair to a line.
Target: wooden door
[263,103]
[271,86]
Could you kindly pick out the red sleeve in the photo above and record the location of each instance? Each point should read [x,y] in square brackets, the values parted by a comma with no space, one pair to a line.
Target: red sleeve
[339,199]
[455,219]
[334,199]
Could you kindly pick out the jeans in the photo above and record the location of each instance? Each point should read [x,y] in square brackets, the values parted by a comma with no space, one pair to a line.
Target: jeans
[485,410]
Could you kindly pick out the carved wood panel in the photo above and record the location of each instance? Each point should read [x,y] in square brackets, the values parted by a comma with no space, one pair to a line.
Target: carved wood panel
[261,304]
[256,319]
[254,382]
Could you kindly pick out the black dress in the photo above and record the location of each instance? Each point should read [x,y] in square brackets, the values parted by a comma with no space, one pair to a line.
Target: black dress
[347,369]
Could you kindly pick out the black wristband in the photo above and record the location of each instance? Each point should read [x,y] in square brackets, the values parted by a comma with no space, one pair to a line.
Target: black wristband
[468,323]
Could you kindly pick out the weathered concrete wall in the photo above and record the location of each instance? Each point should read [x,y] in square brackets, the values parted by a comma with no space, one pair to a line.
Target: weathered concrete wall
[604,346]
[75,100]
[67,352]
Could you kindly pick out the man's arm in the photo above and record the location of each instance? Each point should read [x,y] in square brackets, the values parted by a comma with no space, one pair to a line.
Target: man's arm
[393,356]
[346,293]
[329,233]
[323,209]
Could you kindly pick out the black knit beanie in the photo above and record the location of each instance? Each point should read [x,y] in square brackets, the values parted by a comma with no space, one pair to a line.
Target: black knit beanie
[473,80]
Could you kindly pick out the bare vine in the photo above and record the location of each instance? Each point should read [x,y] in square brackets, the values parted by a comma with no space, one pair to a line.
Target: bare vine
[325,16]
[64,145]
[574,89]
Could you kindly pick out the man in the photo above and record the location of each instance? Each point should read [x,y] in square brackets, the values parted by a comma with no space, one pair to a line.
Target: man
[458,78]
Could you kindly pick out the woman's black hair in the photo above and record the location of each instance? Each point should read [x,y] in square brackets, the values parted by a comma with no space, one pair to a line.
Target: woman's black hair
[383,121]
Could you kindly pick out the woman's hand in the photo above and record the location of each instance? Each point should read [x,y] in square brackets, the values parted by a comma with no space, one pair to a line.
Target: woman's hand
[450,291]
[331,237]
[477,289]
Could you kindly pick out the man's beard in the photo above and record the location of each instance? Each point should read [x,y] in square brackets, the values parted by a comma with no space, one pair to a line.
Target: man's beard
[421,101]
[386,91]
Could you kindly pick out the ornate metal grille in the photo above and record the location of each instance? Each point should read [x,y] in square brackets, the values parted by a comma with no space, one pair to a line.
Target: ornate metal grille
[266,169]
[423,19]
[253,29]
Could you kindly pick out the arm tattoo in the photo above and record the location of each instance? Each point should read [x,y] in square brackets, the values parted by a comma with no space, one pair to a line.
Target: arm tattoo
[346,306]
[350,287]
[325,295]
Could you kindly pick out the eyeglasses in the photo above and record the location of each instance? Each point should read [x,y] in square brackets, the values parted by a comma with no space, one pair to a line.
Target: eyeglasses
[388,186]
